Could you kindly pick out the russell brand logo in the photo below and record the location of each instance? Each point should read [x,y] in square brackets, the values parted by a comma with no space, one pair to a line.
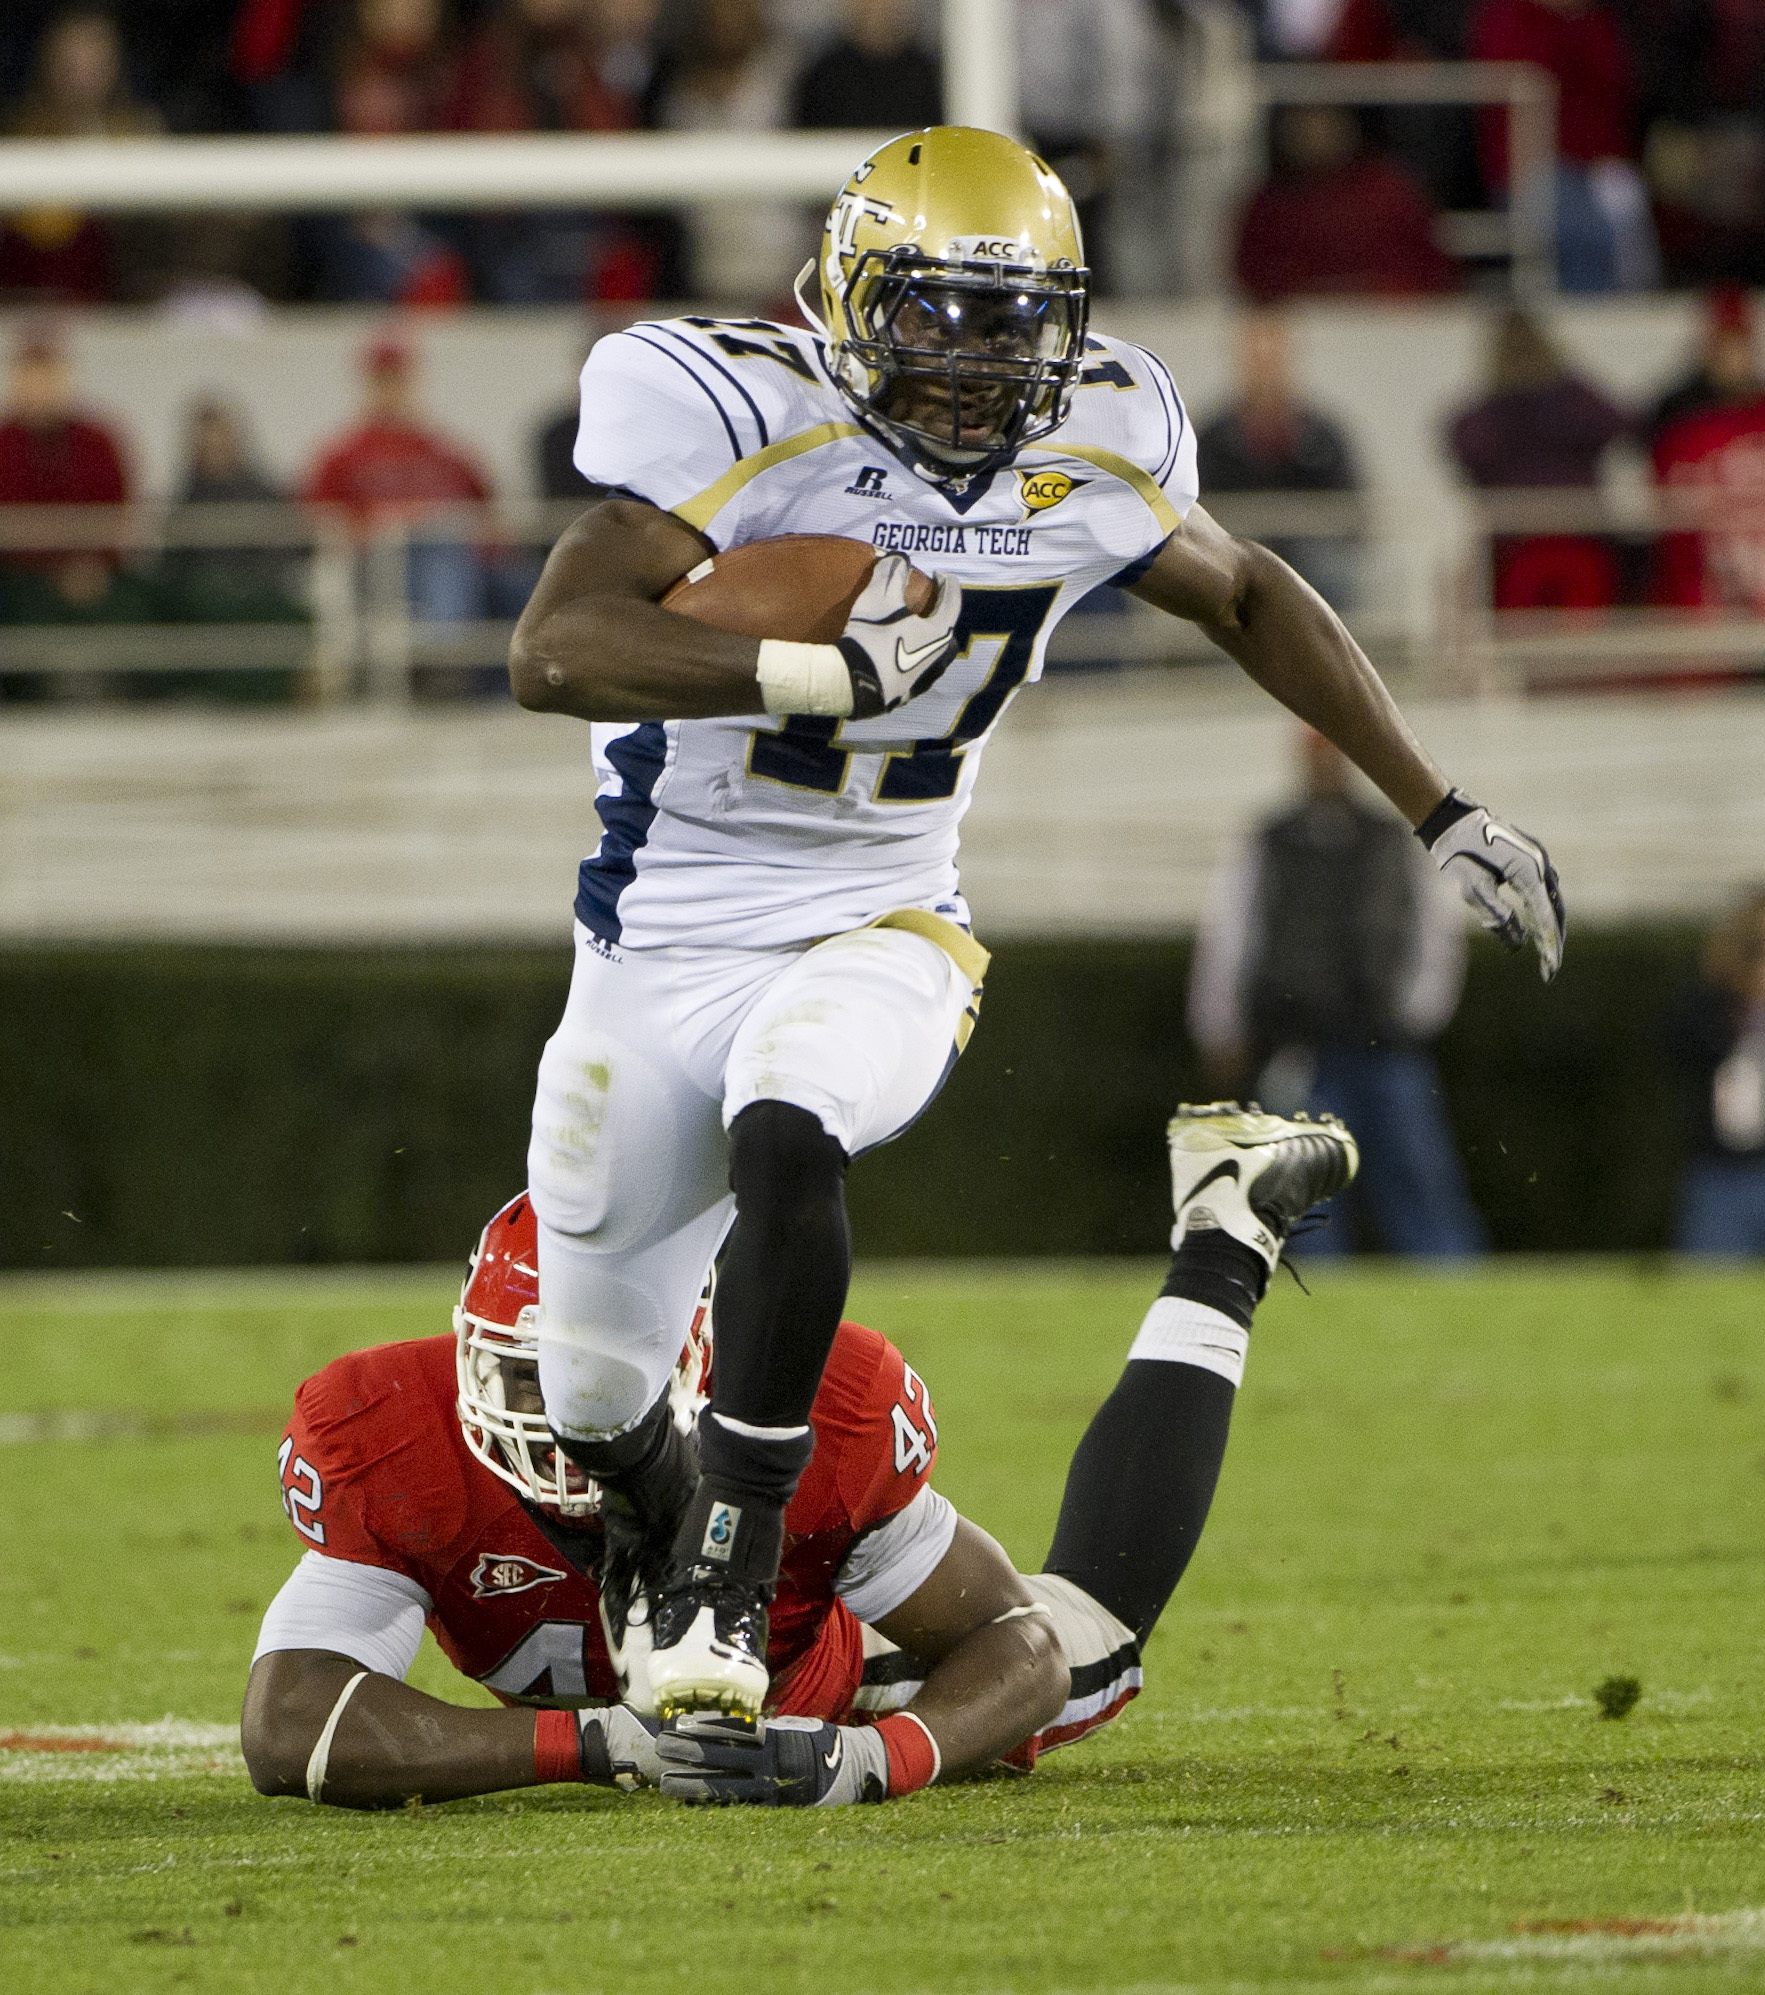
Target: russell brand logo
[870,483]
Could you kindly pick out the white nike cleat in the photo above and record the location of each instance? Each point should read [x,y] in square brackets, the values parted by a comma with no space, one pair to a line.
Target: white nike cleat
[708,1649]
[1253,1175]
[629,1647]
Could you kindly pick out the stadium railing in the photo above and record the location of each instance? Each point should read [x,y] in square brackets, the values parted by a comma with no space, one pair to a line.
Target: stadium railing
[341,618]
[1628,644]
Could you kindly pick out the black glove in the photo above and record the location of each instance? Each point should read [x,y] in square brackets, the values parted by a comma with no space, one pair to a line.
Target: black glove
[777,1763]
[1503,873]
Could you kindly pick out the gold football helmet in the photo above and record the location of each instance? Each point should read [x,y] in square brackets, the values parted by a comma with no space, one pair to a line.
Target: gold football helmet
[954,295]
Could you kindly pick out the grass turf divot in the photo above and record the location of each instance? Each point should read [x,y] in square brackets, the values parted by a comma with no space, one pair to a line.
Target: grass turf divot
[1369,1755]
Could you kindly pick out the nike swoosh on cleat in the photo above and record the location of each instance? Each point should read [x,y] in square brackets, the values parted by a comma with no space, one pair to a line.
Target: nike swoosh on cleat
[832,1759]
[1228,1169]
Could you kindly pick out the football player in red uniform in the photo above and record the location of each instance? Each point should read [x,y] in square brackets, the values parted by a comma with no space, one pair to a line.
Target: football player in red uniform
[427,1487]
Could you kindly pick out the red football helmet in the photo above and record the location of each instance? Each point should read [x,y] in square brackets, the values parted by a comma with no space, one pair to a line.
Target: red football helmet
[496,1333]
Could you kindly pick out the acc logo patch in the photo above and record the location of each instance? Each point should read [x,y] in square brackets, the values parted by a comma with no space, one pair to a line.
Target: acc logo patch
[1018,251]
[1041,489]
[508,1572]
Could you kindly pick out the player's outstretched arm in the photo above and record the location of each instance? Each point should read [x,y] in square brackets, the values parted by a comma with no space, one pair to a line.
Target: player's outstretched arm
[1290,641]
[389,1742]
[997,1672]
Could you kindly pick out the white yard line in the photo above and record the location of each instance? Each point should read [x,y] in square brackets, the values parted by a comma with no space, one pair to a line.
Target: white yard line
[33,1755]
[1601,1942]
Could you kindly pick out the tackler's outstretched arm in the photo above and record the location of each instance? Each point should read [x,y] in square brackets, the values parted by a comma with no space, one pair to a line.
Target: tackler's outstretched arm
[995,1674]
[1290,641]
[317,1723]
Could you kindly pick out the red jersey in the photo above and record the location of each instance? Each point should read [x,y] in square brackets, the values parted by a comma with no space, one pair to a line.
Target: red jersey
[1363,229]
[375,1471]
[382,467]
[71,463]
[1719,451]
[1585,51]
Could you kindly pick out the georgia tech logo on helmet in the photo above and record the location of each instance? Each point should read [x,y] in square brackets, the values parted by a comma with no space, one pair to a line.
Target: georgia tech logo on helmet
[509,1572]
[848,213]
[1041,489]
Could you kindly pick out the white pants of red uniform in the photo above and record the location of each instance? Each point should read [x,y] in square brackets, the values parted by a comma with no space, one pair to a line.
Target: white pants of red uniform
[658,1051]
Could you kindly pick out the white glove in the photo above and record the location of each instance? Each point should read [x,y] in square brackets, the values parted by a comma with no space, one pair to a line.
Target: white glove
[618,1748]
[891,653]
[1506,876]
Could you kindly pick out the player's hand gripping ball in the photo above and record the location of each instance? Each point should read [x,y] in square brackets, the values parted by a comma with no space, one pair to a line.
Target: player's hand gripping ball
[892,650]
[894,627]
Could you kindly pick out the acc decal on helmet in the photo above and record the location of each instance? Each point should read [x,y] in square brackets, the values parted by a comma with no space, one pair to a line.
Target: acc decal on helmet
[954,295]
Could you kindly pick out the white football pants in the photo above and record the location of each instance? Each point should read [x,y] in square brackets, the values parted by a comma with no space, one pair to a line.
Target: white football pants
[658,1051]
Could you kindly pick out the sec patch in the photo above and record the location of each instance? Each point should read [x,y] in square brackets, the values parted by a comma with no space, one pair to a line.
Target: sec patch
[509,1572]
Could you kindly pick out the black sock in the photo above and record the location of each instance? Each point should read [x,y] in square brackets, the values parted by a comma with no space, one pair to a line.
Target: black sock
[646,1474]
[736,1519]
[1139,1488]
[783,1279]
[1142,1479]
[1211,1267]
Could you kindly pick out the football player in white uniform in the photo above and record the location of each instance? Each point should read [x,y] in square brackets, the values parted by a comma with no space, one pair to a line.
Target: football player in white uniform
[774,967]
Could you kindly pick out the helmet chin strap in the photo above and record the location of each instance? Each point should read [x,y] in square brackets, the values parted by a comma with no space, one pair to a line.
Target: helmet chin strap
[800,291]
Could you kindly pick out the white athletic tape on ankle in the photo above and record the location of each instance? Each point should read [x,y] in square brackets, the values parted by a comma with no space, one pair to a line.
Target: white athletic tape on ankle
[803,678]
[319,1764]
[1179,1332]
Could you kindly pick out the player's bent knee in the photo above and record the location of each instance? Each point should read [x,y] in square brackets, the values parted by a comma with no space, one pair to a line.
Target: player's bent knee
[1047,1673]
[781,1156]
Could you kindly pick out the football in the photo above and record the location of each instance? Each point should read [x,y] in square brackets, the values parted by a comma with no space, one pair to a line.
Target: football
[800,586]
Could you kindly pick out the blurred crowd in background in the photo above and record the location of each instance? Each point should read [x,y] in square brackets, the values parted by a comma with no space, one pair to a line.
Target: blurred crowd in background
[1540,429]
[1661,136]
[1328,964]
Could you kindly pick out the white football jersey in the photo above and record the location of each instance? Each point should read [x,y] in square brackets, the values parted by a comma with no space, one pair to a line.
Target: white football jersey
[763,831]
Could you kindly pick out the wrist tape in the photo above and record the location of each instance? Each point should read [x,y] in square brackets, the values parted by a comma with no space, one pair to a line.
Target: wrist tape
[1445,814]
[557,1748]
[804,678]
[914,1759]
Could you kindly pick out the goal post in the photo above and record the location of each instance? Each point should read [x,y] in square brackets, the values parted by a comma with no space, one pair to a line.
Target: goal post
[629,170]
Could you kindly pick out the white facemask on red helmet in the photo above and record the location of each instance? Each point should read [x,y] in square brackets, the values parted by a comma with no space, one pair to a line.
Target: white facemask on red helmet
[496,1346]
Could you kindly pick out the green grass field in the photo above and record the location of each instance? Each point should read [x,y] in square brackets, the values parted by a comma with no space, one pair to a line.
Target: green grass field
[1368,1755]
